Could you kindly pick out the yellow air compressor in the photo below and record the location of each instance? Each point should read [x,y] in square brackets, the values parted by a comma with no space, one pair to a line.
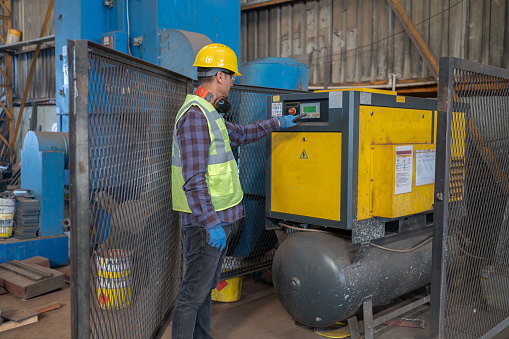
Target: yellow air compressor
[360,165]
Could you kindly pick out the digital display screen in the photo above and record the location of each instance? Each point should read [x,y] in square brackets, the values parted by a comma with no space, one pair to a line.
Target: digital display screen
[309,109]
[312,109]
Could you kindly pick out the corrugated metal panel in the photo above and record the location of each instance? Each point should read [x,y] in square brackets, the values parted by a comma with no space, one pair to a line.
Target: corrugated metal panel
[43,80]
[28,16]
[351,41]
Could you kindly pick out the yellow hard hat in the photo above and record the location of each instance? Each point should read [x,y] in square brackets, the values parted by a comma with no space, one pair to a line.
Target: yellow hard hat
[217,56]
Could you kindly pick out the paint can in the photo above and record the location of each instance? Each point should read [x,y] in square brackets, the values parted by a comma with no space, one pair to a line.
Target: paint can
[13,36]
[228,291]
[5,231]
[7,207]
[114,279]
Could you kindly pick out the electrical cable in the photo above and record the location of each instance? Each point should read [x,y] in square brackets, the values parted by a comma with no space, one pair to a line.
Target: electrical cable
[128,28]
[406,249]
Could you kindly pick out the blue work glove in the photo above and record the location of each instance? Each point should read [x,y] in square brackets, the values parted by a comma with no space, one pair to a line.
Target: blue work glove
[217,237]
[289,121]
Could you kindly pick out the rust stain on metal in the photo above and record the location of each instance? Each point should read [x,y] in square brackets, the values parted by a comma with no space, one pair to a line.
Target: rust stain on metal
[81,167]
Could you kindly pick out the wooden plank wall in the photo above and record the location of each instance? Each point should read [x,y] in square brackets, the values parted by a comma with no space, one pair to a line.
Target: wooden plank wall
[350,41]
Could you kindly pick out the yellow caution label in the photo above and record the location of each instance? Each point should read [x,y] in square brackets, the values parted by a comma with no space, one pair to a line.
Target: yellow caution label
[275,98]
[400,99]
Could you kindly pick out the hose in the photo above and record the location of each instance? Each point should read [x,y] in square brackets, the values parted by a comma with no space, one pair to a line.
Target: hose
[406,249]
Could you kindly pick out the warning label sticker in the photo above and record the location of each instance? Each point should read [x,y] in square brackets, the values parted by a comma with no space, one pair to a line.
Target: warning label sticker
[303,155]
[277,109]
[425,166]
[403,169]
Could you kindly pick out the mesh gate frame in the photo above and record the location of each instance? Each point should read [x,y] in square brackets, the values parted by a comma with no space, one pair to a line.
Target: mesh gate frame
[245,100]
[463,79]
[81,53]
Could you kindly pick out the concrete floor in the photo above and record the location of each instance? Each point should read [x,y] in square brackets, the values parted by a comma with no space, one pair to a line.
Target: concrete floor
[258,314]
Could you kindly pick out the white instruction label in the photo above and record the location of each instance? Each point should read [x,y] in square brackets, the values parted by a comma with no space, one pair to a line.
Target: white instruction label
[425,166]
[403,175]
[277,109]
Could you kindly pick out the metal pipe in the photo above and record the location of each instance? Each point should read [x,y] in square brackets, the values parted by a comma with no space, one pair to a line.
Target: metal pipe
[388,85]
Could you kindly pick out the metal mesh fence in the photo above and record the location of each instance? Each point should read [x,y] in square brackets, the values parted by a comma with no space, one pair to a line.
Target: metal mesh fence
[470,291]
[251,248]
[127,239]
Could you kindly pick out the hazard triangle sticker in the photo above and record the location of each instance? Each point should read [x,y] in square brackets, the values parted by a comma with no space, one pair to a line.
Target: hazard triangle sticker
[303,155]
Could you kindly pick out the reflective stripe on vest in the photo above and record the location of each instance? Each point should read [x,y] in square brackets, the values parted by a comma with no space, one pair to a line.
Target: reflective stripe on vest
[222,175]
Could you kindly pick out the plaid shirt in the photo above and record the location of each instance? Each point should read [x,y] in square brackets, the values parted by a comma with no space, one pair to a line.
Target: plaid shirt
[194,141]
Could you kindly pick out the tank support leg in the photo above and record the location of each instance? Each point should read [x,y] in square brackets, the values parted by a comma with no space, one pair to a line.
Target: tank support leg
[367,310]
[370,323]
[353,326]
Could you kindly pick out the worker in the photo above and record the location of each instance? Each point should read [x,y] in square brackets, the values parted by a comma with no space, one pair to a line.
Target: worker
[205,183]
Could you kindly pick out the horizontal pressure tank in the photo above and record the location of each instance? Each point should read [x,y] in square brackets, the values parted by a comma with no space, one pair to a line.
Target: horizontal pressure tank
[318,285]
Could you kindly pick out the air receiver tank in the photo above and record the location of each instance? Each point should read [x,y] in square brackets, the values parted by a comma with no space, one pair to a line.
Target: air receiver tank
[318,285]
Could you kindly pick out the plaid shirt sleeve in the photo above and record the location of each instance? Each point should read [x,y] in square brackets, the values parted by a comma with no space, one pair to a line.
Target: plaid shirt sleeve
[246,134]
[194,141]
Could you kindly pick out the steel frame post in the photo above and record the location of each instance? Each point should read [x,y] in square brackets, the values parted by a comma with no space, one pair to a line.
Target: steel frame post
[79,188]
[441,210]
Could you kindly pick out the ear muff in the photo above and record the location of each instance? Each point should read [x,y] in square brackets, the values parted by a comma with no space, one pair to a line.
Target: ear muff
[222,105]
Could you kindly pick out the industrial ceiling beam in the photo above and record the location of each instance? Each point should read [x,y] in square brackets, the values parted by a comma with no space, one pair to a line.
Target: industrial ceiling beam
[416,38]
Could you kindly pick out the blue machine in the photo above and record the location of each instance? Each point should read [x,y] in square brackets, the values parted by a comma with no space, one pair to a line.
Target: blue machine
[116,40]
[178,50]
[141,25]
[44,158]
[284,73]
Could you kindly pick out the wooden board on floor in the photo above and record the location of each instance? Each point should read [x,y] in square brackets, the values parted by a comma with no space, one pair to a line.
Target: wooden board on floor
[9,325]
[46,308]
[18,315]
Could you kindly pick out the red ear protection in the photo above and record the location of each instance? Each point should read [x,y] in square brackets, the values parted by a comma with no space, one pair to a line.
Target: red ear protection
[203,93]
[221,104]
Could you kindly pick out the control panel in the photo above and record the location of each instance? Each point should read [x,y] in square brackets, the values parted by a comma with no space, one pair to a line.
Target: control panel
[316,110]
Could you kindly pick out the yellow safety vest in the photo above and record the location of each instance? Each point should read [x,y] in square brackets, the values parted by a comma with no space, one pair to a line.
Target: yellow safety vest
[222,175]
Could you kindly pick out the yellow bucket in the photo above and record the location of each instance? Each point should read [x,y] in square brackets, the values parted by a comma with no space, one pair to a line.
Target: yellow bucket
[13,36]
[228,291]
[114,279]
[5,231]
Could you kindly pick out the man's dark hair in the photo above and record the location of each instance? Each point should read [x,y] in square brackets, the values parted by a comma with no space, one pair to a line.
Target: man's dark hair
[204,80]
[208,79]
